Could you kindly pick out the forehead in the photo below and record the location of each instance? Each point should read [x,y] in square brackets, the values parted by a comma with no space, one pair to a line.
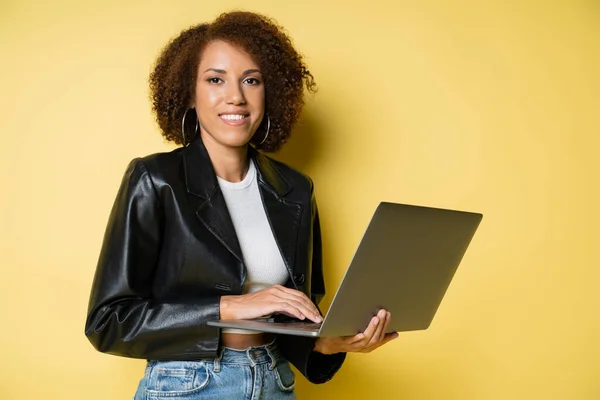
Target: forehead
[223,55]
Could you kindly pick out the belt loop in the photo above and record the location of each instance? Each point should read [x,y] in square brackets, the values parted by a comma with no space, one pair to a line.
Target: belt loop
[252,363]
[273,359]
[217,362]
[149,365]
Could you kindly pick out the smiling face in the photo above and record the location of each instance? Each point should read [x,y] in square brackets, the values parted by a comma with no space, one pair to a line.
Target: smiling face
[229,96]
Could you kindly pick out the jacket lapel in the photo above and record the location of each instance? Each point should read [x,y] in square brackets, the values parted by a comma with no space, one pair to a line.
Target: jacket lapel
[215,217]
[212,211]
[284,215]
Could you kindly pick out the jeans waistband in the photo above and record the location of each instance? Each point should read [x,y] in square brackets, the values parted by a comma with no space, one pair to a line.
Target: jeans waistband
[264,354]
[255,355]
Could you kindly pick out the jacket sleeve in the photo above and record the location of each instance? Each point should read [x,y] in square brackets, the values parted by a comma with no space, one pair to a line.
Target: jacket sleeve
[123,318]
[315,366]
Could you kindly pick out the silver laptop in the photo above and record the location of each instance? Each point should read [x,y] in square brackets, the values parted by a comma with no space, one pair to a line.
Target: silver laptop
[404,264]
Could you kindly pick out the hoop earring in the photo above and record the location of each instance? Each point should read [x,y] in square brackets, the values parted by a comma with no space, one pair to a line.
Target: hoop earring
[268,128]
[196,126]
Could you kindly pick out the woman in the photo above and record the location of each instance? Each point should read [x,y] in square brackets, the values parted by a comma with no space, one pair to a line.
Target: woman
[215,229]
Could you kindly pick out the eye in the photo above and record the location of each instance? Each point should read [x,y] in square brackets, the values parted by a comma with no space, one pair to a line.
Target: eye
[214,80]
[252,81]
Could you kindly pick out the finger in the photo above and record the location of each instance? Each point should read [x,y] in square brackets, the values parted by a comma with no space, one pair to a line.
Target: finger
[368,333]
[297,295]
[377,334]
[271,303]
[350,340]
[292,306]
[388,318]
[310,312]
[384,318]
[291,292]
[306,312]
[286,309]
[284,313]
[387,338]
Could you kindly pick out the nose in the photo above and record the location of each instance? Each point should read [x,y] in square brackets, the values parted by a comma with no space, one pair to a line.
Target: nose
[235,95]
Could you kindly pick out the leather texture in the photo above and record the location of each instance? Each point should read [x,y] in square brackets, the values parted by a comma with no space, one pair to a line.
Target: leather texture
[170,252]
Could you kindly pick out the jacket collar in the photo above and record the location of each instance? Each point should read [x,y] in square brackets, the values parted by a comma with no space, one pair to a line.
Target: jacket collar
[201,180]
[211,209]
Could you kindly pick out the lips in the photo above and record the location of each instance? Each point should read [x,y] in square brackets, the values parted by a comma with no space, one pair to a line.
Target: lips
[234,119]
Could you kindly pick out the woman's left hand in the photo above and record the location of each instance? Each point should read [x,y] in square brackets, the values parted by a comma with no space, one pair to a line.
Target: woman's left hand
[373,337]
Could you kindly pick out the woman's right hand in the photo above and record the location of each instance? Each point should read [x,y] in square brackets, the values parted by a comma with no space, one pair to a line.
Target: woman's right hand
[272,300]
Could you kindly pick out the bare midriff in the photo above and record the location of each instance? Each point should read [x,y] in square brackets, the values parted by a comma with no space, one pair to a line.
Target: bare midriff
[240,341]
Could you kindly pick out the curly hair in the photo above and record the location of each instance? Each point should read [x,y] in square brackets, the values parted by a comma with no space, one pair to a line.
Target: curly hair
[285,75]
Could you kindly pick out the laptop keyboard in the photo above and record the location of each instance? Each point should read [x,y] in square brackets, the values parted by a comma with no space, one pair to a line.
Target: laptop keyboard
[310,325]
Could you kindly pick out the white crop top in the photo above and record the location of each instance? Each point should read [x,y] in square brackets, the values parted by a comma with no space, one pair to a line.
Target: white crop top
[263,260]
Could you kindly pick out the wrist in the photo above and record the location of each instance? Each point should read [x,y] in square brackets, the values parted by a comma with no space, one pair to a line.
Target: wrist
[319,346]
[225,307]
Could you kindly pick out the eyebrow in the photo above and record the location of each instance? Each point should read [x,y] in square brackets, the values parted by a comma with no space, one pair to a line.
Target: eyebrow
[222,71]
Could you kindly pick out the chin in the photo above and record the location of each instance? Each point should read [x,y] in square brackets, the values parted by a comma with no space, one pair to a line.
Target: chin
[233,140]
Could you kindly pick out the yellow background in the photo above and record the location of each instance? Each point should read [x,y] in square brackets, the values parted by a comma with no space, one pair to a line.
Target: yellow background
[488,106]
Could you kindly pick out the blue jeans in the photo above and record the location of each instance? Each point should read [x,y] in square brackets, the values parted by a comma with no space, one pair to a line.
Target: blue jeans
[255,373]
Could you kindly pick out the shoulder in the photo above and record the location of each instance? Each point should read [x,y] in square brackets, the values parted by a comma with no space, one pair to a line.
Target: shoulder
[157,162]
[297,179]
[158,166]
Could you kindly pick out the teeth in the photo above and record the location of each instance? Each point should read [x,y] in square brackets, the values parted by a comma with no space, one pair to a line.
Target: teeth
[233,117]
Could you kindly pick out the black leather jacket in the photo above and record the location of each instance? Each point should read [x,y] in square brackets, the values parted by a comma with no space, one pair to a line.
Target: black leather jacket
[170,252]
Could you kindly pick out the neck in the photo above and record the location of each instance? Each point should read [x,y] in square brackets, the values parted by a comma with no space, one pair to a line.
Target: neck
[229,163]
